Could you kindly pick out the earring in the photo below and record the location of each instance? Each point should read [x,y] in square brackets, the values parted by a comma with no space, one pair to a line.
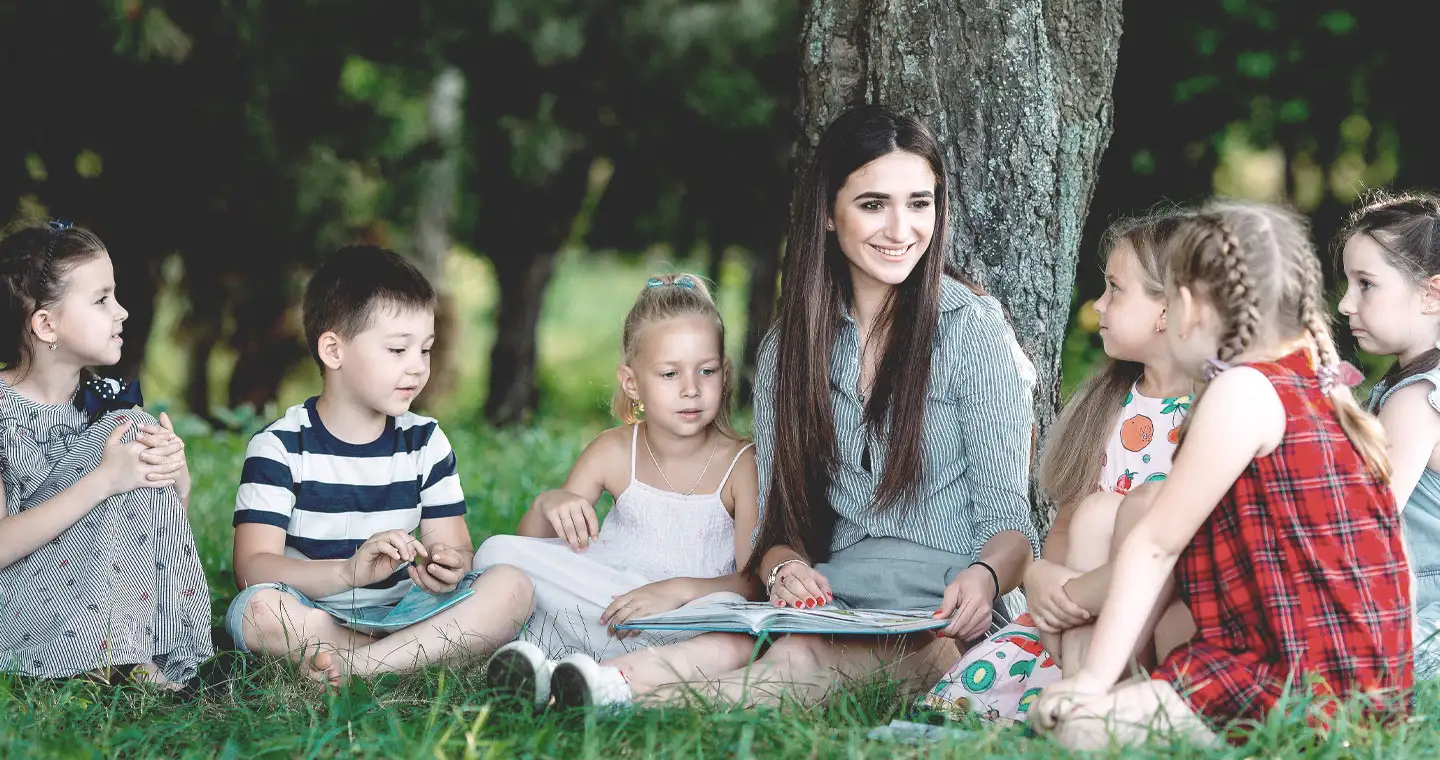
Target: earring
[54,346]
[636,406]
[1159,328]
[830,226]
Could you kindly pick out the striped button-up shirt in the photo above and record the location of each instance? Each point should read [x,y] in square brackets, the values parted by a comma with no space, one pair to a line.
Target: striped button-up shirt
[978,421]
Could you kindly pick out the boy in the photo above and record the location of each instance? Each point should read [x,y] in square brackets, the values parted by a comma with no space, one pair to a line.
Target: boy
[332,492]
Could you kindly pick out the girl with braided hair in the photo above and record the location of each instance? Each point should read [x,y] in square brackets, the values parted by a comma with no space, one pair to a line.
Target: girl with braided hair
[1390,253]
[1277,520]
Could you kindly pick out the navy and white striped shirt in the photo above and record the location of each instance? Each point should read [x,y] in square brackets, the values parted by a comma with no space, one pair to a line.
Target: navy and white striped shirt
[330,496]
[978,421]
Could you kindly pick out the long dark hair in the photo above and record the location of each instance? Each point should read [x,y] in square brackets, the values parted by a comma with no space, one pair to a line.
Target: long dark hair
[1407,229]
[817,290]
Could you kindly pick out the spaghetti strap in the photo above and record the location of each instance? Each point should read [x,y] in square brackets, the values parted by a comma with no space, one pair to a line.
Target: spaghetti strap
[733,462]
[634,438]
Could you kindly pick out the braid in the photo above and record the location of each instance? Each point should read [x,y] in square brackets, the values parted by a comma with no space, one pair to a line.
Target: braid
[1238,291]
[1312,316]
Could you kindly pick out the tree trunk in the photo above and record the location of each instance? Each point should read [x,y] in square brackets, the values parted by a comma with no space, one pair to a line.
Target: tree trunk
[527,227]
[764,283]
[1019,94]
[513,372]
[435,215]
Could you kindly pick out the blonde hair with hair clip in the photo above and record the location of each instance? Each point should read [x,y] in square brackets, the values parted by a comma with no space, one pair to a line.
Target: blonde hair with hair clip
[1070,460]
[1255,264]
[666,297]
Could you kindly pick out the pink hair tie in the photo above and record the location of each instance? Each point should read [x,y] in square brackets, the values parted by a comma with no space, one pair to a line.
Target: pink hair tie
[1342,374]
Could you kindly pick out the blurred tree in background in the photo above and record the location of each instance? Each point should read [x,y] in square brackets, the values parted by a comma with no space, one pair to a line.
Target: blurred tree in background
[225,148]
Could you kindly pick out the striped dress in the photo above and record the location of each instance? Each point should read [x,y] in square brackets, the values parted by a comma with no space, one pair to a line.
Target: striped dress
[122,586]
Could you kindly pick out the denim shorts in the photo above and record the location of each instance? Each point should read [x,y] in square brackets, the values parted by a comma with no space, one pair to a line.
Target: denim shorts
[235,615]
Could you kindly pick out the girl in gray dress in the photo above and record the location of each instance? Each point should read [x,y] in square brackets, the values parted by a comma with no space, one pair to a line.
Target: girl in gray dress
[98,570]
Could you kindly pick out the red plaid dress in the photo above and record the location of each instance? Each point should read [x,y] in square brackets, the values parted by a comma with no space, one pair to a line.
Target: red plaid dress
[1298,578]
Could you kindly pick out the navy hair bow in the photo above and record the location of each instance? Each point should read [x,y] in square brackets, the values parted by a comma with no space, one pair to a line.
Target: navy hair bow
[99,395]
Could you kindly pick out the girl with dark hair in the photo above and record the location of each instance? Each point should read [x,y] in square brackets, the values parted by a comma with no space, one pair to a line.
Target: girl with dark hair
[1390,252]
[893,426]
[98,571]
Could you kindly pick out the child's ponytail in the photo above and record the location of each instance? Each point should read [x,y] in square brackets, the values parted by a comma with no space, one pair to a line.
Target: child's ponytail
[663,297]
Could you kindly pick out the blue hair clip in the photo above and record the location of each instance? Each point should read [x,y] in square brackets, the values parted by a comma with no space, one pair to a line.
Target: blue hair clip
[682,282]
[56,226]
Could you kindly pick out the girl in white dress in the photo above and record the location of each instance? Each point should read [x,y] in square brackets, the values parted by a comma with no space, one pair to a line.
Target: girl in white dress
[685,488]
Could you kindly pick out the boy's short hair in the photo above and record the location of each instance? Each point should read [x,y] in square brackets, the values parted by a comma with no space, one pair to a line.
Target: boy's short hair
[356,281]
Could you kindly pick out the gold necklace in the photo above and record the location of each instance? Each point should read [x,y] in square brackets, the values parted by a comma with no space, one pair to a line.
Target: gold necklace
[658,469]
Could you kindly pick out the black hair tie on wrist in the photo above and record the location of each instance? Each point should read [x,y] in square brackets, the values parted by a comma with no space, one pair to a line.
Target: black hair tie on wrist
[993,576]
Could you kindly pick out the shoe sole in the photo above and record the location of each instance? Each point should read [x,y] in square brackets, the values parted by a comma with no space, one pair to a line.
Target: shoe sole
[568,687]
[513,674]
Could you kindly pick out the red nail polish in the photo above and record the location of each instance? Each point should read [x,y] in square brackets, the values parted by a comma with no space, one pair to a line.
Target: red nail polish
[810,603]
[798,605]
[779,603]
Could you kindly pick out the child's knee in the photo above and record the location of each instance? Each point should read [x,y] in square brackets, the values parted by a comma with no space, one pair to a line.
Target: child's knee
[1094,516]
[797,652]
[266,617]
[507,582]
[1133,507]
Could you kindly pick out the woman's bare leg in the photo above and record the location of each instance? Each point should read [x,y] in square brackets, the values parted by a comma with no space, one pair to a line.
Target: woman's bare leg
[808,668]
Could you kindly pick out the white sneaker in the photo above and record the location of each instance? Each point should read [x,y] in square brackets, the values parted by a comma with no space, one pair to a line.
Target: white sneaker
[522,670]
[580,681]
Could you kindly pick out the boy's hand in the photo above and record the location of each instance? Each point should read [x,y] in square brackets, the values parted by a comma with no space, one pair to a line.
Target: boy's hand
[650,599]
[376,559]
[166,450]
[572,518]
[442,572]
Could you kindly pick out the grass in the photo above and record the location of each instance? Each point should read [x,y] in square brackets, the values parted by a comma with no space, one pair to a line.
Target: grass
[265,711]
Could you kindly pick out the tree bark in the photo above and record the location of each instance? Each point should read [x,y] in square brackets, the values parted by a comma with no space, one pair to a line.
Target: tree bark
[1019,94]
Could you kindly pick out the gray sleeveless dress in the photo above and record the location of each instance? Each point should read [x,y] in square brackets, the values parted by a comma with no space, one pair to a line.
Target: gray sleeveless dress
[120,587]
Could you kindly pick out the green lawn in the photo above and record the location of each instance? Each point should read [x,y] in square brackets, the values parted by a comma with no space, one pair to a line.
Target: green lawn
[267,712]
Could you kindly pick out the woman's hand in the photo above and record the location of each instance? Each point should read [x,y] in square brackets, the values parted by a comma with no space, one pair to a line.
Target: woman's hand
[1053,610]
[969,602]
[799,585]
[650,599]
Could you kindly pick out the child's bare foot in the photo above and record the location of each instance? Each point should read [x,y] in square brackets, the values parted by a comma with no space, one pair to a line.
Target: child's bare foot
[325,667]
[149,674]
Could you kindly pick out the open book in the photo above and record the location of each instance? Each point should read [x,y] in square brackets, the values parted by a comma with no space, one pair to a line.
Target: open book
[761,617]
[417,605]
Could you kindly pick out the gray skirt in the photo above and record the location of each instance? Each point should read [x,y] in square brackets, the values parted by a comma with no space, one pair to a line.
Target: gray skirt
[894,574]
